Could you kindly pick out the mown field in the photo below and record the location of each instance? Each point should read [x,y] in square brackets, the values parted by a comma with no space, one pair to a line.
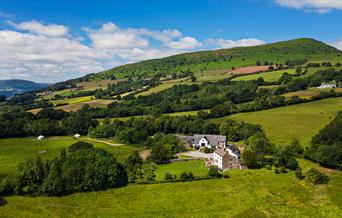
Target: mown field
[300,121]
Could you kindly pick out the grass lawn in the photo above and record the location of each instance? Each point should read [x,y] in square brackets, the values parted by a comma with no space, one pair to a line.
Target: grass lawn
[247,193]
[197,167]
[16,150]
[300,121]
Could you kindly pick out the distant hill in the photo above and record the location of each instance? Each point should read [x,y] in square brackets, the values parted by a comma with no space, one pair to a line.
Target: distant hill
[16,86]
[278,52]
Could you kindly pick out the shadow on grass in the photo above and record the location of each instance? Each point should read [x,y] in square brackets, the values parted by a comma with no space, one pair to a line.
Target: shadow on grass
[2,202]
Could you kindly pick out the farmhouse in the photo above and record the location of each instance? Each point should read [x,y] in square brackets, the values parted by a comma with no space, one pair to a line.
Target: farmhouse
[227,158]
[209,141]
[202,140]
[326,86]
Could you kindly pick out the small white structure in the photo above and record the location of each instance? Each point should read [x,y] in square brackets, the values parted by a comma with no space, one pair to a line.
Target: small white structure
[77,136]
[327,86]
[40,137]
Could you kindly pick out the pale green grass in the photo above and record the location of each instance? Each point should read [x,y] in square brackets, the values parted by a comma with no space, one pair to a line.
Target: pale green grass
[197,167]
[301,121]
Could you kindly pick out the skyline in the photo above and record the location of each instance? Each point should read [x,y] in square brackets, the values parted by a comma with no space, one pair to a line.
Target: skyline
[55,41]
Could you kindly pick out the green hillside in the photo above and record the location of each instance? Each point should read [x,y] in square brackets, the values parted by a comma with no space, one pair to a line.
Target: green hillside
[279,52]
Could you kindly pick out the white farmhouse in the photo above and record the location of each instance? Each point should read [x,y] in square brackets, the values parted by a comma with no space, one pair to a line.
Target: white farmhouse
[209,141]
[227,158]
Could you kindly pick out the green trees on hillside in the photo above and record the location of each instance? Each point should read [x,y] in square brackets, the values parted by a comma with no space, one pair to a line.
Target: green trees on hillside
[326,146]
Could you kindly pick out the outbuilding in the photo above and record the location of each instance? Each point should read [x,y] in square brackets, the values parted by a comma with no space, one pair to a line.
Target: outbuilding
[77,136]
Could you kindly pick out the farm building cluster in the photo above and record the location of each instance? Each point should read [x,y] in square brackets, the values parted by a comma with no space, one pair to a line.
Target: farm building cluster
[226,156]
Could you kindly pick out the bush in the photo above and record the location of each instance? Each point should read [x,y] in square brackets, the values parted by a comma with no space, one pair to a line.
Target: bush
[213,172]
[316,177]
[168,177]
[186,176]
[268,167]
[208,150]
[276,170]
[299,174]
[226,176]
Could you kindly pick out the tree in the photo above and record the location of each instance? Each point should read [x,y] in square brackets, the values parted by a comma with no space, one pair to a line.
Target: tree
[133,165]
[160,154]
[299,174]
[252,159]
[295,147]
[53,184]
[284,157]
[258,63]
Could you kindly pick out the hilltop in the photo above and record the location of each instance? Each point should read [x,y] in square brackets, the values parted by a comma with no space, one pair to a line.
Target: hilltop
[278,52]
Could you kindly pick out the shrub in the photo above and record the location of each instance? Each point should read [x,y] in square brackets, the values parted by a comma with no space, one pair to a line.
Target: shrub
[268,167]
[226,176]
[316,177]
[213,172]
[168,177]
[186,176]
[276,170]
[299,174]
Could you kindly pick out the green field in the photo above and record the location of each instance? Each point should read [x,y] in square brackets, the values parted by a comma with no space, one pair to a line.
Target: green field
[300,121]
[248,193]
[197,167]
[272,76]
[73,100]
[15,151]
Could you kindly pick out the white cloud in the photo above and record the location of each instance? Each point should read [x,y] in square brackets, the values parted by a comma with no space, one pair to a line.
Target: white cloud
[320,6]
[51,52]
[40,28]
[223,43]
[337,44]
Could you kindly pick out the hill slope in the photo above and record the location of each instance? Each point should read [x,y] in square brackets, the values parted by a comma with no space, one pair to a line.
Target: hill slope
[279,52]
[15,86]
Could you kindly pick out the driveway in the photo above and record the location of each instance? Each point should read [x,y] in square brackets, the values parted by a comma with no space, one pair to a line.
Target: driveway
[197,154]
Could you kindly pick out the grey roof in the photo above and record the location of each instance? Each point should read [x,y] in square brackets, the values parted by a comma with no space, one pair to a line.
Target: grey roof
[234,149]
[212,139]
[185,138]
[220,152]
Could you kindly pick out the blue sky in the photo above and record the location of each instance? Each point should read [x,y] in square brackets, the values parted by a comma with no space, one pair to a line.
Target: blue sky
[50,41]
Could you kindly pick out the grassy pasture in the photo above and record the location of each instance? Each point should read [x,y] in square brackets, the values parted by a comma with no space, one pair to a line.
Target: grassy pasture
[78,105]
[271,76]
[300,121]
[16,150]
[197,167]
[248,193]
[73,100]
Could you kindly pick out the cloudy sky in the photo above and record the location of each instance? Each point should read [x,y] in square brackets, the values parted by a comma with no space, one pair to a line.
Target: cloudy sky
[50,41]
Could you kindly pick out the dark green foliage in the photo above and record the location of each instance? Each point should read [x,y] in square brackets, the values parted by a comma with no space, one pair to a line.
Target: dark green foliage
[284,157]
[252,159]
[213,172]
[316,177]
[283,169]
[160,153]
[276,170]
[326,146]
[2,98]
[295,147]
[133,166]
[80,170]
[169,177]
[80,146]
[79,123]
[186,176]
